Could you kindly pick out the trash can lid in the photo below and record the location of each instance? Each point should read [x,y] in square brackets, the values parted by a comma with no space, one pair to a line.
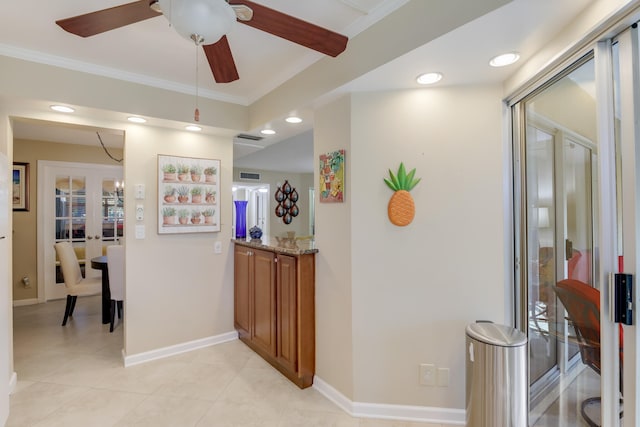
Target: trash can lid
[500,335]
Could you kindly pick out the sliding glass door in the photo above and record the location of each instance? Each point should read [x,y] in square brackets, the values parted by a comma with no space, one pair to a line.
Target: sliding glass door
[566,151]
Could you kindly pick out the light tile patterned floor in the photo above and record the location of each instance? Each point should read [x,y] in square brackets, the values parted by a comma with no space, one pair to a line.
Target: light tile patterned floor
[73,376]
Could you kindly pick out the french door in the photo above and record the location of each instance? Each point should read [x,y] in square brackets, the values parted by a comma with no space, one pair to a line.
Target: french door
[80,203]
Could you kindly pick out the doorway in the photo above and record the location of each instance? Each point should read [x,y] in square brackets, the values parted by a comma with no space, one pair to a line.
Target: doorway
[71,186]
[81,203]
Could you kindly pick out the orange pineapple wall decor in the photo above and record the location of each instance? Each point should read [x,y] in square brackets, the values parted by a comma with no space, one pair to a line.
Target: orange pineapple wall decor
[401,208]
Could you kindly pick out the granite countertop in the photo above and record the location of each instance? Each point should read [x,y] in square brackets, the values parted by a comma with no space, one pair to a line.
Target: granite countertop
[281,245]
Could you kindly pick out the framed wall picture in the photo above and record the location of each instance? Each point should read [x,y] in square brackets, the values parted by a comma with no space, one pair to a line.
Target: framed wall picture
[331,187]
[20,187]
[188,195]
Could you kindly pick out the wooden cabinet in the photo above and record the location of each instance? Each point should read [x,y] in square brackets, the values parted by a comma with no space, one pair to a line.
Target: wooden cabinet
[274,308]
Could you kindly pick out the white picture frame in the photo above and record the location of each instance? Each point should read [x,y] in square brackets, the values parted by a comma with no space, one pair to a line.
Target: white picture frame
[188,195]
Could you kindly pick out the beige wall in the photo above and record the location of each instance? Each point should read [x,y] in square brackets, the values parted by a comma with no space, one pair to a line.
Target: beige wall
[25,261]
[301,181]
[178,289]
[334,238]
[395,297]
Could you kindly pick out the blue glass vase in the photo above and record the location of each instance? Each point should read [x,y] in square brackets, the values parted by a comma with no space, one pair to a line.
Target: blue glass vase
[241,219]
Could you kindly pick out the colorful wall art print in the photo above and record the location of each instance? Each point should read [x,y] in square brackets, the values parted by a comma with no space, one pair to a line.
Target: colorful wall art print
[332,177]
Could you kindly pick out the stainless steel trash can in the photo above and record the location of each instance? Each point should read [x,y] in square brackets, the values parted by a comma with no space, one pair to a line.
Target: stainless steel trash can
[496,376]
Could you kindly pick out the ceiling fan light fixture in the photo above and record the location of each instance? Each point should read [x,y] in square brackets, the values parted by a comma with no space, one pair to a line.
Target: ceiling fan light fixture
[193,128]
[207,20]
[243,12]
[155,6]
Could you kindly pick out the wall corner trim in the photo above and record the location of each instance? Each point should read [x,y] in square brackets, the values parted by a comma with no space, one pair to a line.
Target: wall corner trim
[391,412]
[173,350]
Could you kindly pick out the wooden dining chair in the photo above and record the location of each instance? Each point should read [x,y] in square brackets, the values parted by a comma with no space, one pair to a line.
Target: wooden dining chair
[115,266]
[75,284]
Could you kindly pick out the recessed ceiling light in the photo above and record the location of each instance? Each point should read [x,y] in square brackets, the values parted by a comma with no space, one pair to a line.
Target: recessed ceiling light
[504,59]
[193,128]
[429,78]
[135,119]
[268,132]
[62,109]
[293,119]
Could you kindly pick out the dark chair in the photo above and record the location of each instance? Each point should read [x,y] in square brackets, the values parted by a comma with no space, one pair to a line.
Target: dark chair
[582,303]
[115,262]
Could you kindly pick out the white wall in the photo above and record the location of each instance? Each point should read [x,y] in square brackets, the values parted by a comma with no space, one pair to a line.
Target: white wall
[413,289]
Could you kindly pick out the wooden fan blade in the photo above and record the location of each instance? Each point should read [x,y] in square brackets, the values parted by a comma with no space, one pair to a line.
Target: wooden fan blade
[100,21]
[221,61]
[294,29]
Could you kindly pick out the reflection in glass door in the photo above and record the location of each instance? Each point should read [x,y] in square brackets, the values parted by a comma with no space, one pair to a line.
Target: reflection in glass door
[560,191]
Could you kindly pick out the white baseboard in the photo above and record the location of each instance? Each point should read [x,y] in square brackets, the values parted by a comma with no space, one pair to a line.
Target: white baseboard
[428,414]
[136,359]
[13,382]
[29,301]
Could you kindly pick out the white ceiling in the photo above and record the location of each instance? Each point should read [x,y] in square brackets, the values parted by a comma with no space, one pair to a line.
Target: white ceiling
[153,53]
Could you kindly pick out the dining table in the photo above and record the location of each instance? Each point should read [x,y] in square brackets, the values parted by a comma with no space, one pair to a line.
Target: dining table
[100,263]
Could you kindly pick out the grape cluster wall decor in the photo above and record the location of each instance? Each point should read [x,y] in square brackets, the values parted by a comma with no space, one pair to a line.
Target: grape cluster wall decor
[286,196]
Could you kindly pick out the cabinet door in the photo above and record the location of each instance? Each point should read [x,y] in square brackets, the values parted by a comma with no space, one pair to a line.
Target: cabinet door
[242,291]
[264,300]
[287,326]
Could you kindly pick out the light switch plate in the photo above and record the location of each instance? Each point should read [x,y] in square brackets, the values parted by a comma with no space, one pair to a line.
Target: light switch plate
[139,212]
[139,191]
[217,247]
[140,231]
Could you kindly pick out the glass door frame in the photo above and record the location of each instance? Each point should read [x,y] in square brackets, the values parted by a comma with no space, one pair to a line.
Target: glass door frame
[628,101]
[606,205]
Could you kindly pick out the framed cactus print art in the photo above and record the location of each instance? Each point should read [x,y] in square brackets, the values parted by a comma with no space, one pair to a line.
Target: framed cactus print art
[331,189]
[188,190]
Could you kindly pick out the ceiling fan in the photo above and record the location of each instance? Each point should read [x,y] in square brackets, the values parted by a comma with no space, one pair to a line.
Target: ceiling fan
[213,14]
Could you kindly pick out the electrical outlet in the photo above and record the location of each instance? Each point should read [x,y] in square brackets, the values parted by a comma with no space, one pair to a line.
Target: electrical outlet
[443,377]
[427,374]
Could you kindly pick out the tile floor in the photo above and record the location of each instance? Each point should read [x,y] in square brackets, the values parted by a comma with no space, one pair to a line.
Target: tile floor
[73,376]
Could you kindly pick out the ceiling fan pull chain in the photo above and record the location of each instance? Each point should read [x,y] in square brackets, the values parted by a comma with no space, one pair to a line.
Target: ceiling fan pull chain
[196,113]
